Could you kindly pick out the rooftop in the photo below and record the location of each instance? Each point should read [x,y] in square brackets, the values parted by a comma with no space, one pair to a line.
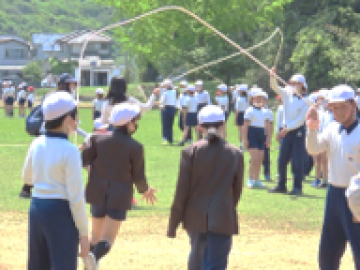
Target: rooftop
[48,41]
[79,37]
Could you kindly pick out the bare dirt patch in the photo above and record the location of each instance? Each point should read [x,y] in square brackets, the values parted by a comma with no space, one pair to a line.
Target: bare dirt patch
[142,244]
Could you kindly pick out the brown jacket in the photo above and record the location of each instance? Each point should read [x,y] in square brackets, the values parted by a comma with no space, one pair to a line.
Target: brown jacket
[209,188]
[117,162]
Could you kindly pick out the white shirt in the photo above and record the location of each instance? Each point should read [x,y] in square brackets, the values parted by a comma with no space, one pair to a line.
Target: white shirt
[223,102]
[106,107]
[21,94]
[168,98]
[9,92]
[295,109]
[235,95]
[257,117]
[326,117]
[53,166]
[270,114]
[241,104]
[343,151]
[30,97]
[97,104]
[191,104]
[181,100]
[279,118]
[203,97]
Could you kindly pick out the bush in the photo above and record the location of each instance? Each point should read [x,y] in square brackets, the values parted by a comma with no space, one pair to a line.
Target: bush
[32,73]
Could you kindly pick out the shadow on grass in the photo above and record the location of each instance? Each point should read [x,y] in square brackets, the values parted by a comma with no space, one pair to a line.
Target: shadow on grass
[294,197]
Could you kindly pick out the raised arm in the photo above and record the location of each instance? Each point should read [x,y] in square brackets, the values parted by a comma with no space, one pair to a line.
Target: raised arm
[274,85]
[145,107]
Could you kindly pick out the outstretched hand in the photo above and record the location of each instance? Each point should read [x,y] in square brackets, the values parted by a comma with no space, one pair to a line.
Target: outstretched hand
[149,196]
[312,119]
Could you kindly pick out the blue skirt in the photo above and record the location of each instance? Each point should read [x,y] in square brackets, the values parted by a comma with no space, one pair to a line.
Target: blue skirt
[240,119]
[9,101]
[22,101]
[97,114]
[191,119]
[30,104]
[256,138]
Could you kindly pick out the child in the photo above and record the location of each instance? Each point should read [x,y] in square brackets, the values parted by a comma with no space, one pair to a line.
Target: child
[279,118]
[190,113]
[255,140]
[9,96]
[270,131]
[202,98]
[110,187]
[53,167]
[181,102]
[21,99]
[209,188]
[97,103]
[168,101]
[223,101]
[241,104]
[30,97]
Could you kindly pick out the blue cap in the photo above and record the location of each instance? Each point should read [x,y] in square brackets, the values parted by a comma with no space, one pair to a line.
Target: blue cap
[67,78]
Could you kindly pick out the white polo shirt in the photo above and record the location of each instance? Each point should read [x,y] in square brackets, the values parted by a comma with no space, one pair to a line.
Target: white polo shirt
[270,115]
[343,148]
[97,104]
[203,97]
[191,104]
[223,102]
[168,98]
[182,100]
[9,92]
[30,97]
[256,116]
[241,104]
[53,166]
[21,94]
[279,118]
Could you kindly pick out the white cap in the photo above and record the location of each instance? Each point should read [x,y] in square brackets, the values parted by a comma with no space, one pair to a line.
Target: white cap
[341,93]
[191,87]
[222,87]
[99,91]
[353,196]
[255,91]
[242,87]
[211,114]
[98,124]
[123,113]
[167,82]
[57,104]
[185,83]
[313,96]
[324,93]
[199,83]
[299,78]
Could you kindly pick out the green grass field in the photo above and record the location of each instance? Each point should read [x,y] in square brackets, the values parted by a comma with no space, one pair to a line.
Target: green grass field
[258,207]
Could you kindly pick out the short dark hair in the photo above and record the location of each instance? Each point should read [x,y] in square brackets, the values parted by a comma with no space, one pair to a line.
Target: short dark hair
[64,87]
[117,90]
[56,123]
[243,94]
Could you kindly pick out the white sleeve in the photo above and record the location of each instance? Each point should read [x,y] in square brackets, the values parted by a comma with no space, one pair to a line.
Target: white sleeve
[75,191]
[145,107]
[279,119]
[317,143]
[27,173]
[248,114]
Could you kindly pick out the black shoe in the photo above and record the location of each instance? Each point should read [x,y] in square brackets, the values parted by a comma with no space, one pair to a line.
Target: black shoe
[296,191]
[278,190]
[316,183]
[180,144]
[322,185]
[25,194]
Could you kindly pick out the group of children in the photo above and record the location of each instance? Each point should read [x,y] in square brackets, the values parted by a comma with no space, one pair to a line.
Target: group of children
[25,95]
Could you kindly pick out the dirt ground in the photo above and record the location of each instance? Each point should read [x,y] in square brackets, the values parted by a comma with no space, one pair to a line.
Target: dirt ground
[142,244]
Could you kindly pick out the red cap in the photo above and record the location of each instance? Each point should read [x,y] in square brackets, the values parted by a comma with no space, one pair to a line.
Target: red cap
[278,97]
[31,88]
[217,93]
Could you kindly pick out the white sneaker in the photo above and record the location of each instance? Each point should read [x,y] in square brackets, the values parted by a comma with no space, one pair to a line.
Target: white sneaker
[259,184]
[250,183]
[90,262]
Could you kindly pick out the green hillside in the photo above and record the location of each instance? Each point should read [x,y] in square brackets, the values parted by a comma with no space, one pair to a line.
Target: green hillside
[25,17]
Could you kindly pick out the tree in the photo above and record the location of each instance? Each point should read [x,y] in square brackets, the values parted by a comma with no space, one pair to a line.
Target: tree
[32,73]
[58,67]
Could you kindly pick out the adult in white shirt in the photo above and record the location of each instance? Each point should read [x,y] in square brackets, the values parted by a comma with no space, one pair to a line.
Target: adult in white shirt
[293,133]
[168,101]
[117,94]
[222,101]
[241,105]
[341,141]
[203,99]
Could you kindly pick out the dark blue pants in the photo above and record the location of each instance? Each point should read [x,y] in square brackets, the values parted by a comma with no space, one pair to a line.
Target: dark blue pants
[53,237]
[266,162]
[338,228]
[168,122]
[292,148]
[209,251]
[181,126]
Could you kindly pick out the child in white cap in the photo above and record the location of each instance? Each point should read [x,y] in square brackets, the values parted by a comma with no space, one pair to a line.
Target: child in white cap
[9,98]
[53,166]
[190,113]
[98,103]
[222,101]
[208,191]
[21,99]
[168,102]
[202,98]
[241,105]
[341,140]
[181,102]
[117,163]
[255,129]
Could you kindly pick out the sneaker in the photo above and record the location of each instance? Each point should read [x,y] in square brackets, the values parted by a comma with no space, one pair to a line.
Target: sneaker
[181,144]
[316,183]
[250,183]
[278,189]
[165,143]
[90,262]
[322,185]
[25,195]
[259,184]
[267,178]
[296,191]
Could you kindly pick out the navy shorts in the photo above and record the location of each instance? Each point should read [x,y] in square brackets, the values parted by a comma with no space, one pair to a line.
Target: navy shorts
[256,138]
[30,104]
[240,119]
[22,101]
[100,211]
[9,101]
[191,119]
[97,114]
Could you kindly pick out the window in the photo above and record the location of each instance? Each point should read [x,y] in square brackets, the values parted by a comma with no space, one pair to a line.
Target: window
[104,46]
[15,54]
